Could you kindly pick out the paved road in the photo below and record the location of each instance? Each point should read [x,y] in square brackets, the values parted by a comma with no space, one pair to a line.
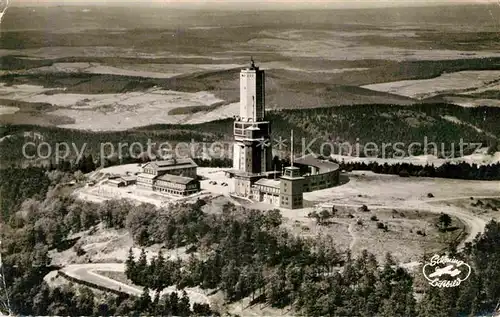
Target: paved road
[90,273]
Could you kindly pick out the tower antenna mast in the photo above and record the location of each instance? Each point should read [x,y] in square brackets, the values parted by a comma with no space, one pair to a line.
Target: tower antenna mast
[291,149]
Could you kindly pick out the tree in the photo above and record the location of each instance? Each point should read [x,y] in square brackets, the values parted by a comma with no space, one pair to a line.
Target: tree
[201,309]
[159,273]
[143,303]
[444,221]
[172,304]
[142,268]
[273,218]
[324,215]
[103,310]
[333,212]
[230,276]
[85,302]
[41,301]
[364,208]
[184,306]
[130,269]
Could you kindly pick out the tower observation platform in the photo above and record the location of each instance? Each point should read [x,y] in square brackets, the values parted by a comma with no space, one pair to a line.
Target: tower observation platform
[252,171]
[252,150]
[252,147]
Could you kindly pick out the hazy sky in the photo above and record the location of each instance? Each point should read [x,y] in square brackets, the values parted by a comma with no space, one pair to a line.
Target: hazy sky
[255,3]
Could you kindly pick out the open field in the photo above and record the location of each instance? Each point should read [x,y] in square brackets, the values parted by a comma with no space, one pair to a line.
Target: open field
[389,190]
[109,102]
[312,60]
[467,81]
[409,234]
[472,102]
[381,192]
[377,32]
[109,111]
[132,70]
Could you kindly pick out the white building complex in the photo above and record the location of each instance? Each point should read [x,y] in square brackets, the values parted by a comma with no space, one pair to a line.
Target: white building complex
[175,176]
[252,171]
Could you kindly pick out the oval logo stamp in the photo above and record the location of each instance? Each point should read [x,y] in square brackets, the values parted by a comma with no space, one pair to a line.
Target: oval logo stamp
[444,272]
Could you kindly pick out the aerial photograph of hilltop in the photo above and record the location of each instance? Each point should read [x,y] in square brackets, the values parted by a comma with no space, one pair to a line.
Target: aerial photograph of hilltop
[250,158]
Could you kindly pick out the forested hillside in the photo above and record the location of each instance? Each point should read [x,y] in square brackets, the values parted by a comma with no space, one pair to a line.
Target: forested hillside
[251,255]
[439,123]
[17,185]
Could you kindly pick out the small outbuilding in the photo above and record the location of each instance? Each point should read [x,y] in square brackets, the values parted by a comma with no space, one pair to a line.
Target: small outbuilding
[129,180]
[117,182]
[122,181]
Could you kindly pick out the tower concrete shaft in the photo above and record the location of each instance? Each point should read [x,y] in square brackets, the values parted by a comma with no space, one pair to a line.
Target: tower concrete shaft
[252,148]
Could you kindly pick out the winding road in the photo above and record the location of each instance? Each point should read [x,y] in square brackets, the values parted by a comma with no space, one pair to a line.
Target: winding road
[90,273]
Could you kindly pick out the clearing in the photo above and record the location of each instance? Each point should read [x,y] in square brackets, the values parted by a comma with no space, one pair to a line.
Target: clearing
[115,112]
[445,84]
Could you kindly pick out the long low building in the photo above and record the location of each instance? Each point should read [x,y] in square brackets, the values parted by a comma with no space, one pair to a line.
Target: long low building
[308,174]
[176,185]
[121,181]
[318,174]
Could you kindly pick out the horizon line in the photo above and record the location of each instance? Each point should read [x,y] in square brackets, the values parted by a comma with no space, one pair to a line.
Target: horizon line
[254,6]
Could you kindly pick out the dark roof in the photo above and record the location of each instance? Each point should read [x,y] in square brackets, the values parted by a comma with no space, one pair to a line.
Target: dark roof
[171,164]
[175,179]
[128,178]
[323,165]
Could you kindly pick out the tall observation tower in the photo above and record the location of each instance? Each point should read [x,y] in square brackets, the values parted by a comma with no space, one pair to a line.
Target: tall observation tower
[252,148]
[252,152]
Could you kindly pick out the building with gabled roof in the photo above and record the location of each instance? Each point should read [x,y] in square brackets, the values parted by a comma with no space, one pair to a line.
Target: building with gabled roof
[176,185]
[174,176]
[182,167]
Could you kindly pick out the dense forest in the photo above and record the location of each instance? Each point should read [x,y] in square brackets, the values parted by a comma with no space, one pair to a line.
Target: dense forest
[246,253]
[251,256]
[42,222]
[241,252]
[445,125]
[447,170]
